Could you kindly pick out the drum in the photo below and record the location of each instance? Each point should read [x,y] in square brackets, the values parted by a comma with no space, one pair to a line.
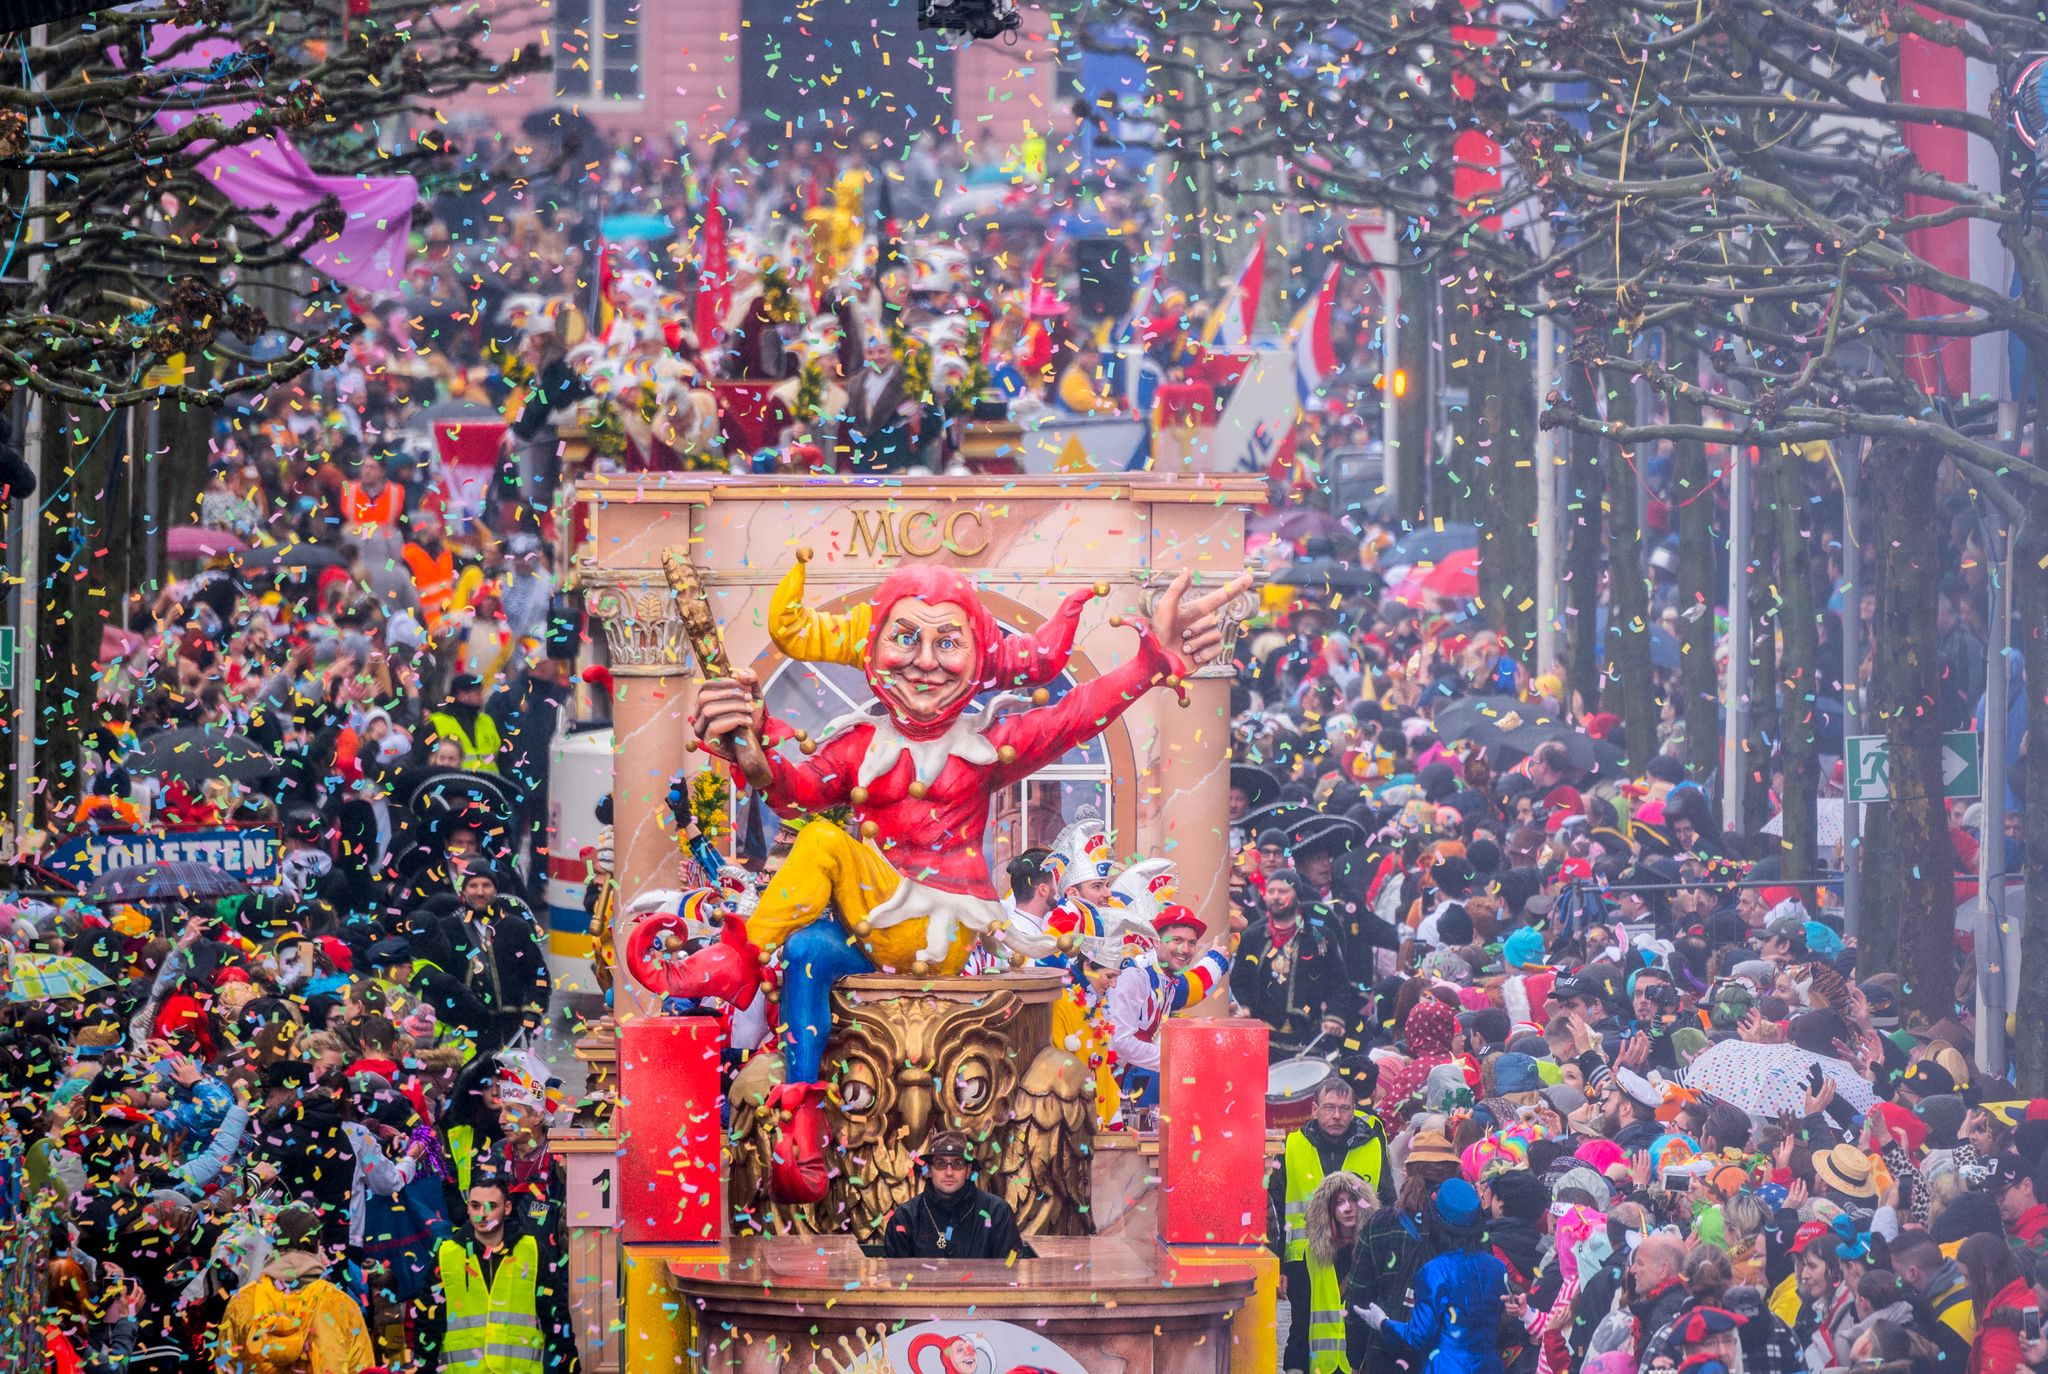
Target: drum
[1291,1091]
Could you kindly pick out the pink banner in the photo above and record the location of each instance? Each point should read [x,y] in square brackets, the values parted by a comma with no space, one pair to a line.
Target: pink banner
[271,179]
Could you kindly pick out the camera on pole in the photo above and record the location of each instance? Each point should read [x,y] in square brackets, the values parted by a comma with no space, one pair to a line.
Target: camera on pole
[975,18]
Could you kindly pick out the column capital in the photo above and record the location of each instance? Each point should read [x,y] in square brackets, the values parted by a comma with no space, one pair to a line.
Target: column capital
[641,628]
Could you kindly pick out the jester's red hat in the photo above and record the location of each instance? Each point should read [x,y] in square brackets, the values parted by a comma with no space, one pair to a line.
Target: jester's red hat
[1003,660]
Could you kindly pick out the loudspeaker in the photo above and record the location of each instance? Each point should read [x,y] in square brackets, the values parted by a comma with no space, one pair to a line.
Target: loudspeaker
[1107,281]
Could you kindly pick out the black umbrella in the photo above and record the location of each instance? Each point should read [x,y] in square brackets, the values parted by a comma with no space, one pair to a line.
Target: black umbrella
[165,882]
[1456,720]
[295,557]
[191,755]
[1320,577]
[1586,753]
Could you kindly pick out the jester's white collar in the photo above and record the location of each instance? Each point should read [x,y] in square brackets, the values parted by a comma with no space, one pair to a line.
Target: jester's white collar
[966,740]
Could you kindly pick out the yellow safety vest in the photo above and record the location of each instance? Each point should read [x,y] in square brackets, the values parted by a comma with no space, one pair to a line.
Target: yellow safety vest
[462,1153]
[1326,1352]
[1305,1175]
[479,755]
[492,1328]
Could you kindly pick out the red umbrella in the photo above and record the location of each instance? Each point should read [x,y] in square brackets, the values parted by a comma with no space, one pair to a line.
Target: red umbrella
[1456,576]
[195,541]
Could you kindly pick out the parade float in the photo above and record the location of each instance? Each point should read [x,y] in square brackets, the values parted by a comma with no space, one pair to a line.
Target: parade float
[921,678]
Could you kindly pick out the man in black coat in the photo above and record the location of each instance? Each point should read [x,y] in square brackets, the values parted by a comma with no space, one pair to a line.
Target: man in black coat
[499,943]
[951,1218]
[1290,972]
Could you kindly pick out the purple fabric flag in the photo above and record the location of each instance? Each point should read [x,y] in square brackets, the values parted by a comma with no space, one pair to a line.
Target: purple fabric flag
[270,178]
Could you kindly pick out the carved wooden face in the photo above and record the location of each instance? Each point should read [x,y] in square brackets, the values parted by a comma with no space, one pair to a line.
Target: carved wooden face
[940,1065]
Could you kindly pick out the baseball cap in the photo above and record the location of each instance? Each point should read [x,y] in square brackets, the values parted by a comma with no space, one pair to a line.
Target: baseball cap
[946,1143]
[2006,1170]
[1786,928]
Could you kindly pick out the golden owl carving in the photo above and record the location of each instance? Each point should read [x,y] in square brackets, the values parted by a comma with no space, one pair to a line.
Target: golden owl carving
[960,1054]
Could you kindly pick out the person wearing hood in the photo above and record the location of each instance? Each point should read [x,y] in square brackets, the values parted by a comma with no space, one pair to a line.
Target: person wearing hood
[1516,1205]
[952,1218]
[1460,1296]
[1937,1283]
[462,719]
[291,1318]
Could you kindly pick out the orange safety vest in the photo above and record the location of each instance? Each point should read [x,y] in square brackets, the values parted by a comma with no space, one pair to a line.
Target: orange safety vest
[435,579]
[368,515]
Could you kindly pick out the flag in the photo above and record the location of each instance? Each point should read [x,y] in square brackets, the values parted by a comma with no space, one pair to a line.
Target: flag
[1939,76]
[1238,314]
[1313,337]
[607,291]
[714,285]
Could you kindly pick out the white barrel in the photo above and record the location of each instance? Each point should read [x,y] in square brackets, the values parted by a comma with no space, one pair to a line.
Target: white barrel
[579,777]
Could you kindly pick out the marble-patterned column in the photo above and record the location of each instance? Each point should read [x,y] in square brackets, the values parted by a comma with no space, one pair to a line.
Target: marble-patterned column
[650,662]
[1194,782]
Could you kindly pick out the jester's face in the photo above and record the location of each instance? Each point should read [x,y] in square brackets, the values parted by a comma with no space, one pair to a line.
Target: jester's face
[924,659]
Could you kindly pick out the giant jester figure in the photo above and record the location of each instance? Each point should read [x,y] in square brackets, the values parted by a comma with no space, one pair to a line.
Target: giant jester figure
[903,886]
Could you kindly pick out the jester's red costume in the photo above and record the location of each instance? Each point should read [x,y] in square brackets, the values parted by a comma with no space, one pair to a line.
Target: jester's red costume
[908,889]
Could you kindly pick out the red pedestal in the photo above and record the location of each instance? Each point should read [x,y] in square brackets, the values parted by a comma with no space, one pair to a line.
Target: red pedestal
[671,1185]
[1212,1131]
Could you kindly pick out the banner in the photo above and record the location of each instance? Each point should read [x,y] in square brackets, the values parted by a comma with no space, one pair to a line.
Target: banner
[251,853]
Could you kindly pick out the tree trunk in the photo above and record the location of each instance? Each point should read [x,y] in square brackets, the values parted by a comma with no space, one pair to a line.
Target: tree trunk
[1905,680]
[1583,560]
[1798,665]
[1503,447]
[1628,688]
[1698,581]
[1410,452]
[1761,681]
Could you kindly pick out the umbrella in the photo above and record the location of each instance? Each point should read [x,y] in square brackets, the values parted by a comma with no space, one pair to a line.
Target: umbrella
[1328,580]
[1768,1081]
[1456,720]
[304,557]
[46,977]
[1456,576]
[1303,522]
[1429,546]
[165,882]
[196,541]
[195,755]
[1827,821]
[1586,753]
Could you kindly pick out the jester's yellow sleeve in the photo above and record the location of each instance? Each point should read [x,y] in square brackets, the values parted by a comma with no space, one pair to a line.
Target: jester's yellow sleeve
[813,636]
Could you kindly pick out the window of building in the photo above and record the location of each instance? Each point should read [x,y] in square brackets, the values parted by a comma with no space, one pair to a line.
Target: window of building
[597,49]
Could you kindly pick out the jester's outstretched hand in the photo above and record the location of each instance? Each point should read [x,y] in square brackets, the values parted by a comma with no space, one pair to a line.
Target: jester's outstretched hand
[906,889]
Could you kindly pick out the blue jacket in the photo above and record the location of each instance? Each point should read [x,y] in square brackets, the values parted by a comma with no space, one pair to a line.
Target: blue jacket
[1459,1298]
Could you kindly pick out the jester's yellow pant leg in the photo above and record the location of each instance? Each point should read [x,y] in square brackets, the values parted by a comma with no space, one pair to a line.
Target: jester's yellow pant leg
[826,868]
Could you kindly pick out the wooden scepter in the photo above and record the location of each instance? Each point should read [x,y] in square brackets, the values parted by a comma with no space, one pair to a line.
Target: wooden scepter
[694,609]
